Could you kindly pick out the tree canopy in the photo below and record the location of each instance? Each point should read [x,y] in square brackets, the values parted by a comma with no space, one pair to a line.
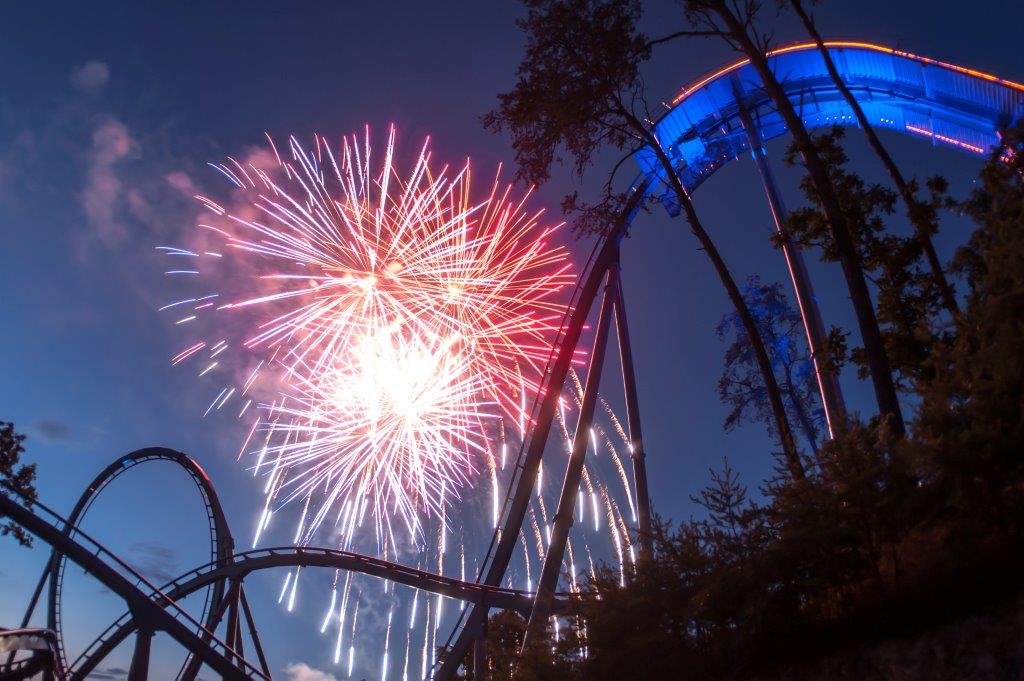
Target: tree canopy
[15,476]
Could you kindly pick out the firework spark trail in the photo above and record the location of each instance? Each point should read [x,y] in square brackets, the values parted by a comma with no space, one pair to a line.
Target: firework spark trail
[352,636]
[415,602]
[574,586]
[593,498]
[495,491]
[539,541]
[616,538]
[405,665]
[426,643]
[624,530]
[295,588]
[330,610]
[395,329]
[387,645]
[545,521]
[398,310]
[462,569]
[284,588]
[627,488]
[526,560]
[341,617]
[590,563]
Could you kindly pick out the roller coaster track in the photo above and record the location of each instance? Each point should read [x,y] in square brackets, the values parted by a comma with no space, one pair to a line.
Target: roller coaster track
[944,104]
[125,582]
[221,541]
[243,564]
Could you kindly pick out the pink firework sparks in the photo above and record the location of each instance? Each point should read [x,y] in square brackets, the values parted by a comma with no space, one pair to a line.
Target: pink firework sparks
[400,313]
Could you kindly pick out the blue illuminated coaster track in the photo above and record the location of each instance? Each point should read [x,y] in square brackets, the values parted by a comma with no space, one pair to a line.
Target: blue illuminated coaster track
[944,104]
[710,123]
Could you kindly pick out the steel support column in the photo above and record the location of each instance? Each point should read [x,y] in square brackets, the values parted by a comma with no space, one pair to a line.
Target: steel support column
[828,383]
[563,518]
[139,670]
[190,669]
[637,453]
[253,634]
[232,635]
[480,653]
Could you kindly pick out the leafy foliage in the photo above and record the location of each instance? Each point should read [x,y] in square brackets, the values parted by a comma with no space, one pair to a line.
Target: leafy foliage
[15,476]
[908,300]
[741,385]
[577,92]
[971,423]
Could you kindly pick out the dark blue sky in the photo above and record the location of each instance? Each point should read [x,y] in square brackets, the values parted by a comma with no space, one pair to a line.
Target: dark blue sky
[85,154]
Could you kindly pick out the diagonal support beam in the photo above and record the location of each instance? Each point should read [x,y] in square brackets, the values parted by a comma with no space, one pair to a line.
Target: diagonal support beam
[253,634]
[190,669]
[232,635]
[563,519]
[139,670]
[814,328]
[637,453]
[606,257]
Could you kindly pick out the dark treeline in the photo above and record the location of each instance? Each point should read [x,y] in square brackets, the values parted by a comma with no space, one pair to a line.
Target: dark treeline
[900,521]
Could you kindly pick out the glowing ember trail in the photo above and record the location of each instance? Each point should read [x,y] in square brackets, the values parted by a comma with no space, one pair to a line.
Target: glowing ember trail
[383,319]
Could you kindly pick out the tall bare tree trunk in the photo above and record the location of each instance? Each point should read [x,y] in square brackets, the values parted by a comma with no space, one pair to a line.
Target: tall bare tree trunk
[860,296]
[792,456]
[923,226]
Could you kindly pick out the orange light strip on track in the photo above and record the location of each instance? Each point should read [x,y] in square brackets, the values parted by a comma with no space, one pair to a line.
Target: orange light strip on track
[945,138]
[842,43]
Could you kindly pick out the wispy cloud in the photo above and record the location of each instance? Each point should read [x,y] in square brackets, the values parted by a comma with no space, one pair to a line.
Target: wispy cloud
[103,197]
[156,563]
[90,77]
[300,671]
[51,430]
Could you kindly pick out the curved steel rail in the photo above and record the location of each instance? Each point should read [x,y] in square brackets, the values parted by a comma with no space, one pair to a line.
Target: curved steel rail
[220,657]
[242,564]
[221,548]
[943,103]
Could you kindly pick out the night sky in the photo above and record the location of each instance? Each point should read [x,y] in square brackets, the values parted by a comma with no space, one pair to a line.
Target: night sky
[105,108]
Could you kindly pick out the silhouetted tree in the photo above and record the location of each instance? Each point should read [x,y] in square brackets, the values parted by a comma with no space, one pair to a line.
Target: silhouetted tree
[971,420]
[545,659]
[15,476]
[922,214]
[736,22]
[909,301]
[579,90]
[740,385]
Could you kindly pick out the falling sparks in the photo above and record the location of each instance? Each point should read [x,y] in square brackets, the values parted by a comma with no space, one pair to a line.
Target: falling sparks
[399,311]
[384,328]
